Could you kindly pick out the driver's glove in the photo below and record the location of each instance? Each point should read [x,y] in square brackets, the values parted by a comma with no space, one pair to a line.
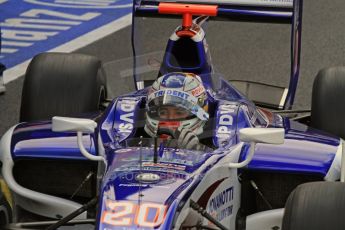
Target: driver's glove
[187,139]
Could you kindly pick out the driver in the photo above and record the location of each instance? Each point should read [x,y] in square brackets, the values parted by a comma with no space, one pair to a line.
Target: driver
[177,107]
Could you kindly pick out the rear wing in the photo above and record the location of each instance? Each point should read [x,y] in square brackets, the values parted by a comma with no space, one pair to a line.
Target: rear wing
[255,3]
[242,10]
[270,11]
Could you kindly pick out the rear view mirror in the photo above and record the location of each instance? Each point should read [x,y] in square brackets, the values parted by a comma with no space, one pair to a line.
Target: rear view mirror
[258,135]
[69,124]
[80,126]
[262,135]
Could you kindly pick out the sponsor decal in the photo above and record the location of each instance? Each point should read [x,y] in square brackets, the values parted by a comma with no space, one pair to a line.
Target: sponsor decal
[220,205]
[170,92]
[30,27]
[225,129]
[156,179]
[198,90]
[164,165]
[148,177]
[225,121]
[127,108]
[124,118]
[159,185]
[192,106]
[125,213]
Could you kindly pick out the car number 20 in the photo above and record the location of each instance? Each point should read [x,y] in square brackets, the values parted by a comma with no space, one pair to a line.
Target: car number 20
[125,213]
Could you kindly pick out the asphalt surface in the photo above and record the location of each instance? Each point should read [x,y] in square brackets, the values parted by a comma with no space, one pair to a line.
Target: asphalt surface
[259,52]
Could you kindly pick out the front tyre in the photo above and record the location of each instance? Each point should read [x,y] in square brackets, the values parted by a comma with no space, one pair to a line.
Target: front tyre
[316,206]
[61,84]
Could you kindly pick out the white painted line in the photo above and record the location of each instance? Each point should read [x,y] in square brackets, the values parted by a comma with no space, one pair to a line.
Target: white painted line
[17,44]
[92,3]
[2,1]
[19,70]
[83,6]
[8,50]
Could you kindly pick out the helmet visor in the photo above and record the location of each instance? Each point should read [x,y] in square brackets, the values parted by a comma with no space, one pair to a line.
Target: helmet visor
[174,105]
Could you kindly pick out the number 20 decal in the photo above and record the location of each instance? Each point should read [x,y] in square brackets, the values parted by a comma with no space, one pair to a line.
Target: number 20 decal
[126,214]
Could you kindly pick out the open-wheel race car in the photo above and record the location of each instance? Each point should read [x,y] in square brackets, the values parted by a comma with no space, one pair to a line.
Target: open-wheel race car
[80,159]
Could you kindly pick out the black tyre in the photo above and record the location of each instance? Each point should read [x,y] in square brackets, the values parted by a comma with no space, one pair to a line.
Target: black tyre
[61,84]
[316,206]
[328,99]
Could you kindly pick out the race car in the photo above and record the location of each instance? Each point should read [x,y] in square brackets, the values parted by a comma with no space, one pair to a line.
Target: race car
[78,158]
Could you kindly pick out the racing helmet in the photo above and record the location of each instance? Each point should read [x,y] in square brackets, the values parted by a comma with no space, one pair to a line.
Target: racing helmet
[176,100]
